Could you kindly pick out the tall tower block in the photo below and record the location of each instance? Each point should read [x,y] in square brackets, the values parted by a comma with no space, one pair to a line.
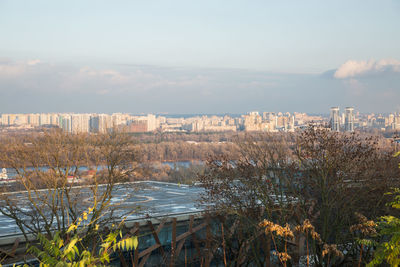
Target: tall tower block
[349,119]
[335,119]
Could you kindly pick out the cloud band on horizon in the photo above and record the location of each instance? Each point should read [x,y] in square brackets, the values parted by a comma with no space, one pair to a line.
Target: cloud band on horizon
[354,68]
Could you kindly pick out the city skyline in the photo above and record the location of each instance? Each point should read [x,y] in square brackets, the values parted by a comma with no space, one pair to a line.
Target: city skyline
[254,121]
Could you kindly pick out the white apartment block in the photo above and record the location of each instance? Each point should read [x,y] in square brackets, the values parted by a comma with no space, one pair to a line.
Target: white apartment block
[80,123]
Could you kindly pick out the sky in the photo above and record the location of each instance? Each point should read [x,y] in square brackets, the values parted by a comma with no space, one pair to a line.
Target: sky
[208,56]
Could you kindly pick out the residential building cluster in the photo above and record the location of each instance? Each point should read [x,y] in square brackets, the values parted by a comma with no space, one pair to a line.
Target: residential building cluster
[344,121]
[381,121]
[101,123]
[348,120]
[70,122]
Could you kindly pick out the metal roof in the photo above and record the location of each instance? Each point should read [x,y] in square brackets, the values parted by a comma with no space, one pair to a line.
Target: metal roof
[134,201]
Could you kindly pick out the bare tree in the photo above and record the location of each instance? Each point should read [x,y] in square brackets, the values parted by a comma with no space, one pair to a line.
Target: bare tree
[341,174]
[316,175]
[249,189]
[48,169]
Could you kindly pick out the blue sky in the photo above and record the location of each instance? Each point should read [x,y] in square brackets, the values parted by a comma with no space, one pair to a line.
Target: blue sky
[199,56]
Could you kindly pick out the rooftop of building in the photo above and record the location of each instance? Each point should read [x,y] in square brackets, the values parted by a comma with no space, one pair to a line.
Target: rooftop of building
[133,201]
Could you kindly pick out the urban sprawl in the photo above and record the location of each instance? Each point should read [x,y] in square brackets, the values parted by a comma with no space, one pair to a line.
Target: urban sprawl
[253,121]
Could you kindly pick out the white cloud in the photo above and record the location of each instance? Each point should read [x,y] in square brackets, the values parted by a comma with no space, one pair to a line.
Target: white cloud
[34,75]
[143,88]
[12,69]
[354,68]
[33,62]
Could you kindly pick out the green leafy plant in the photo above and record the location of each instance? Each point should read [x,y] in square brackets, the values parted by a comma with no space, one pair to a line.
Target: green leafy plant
[389,229]
[73,252]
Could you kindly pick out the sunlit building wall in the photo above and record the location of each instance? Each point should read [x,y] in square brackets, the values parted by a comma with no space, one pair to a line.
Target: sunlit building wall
[335,119]
[349,119]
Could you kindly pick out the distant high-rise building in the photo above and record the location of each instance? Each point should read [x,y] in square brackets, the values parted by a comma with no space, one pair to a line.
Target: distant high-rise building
[53,119]
[64,121]
[151,122]
[100,123]
[44,119]
[80,123]
[4,119]
[349,119]
[8,119]
[396,122]
[21,119]
[116,120]
[335,119]
[290,125]
[34,119]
